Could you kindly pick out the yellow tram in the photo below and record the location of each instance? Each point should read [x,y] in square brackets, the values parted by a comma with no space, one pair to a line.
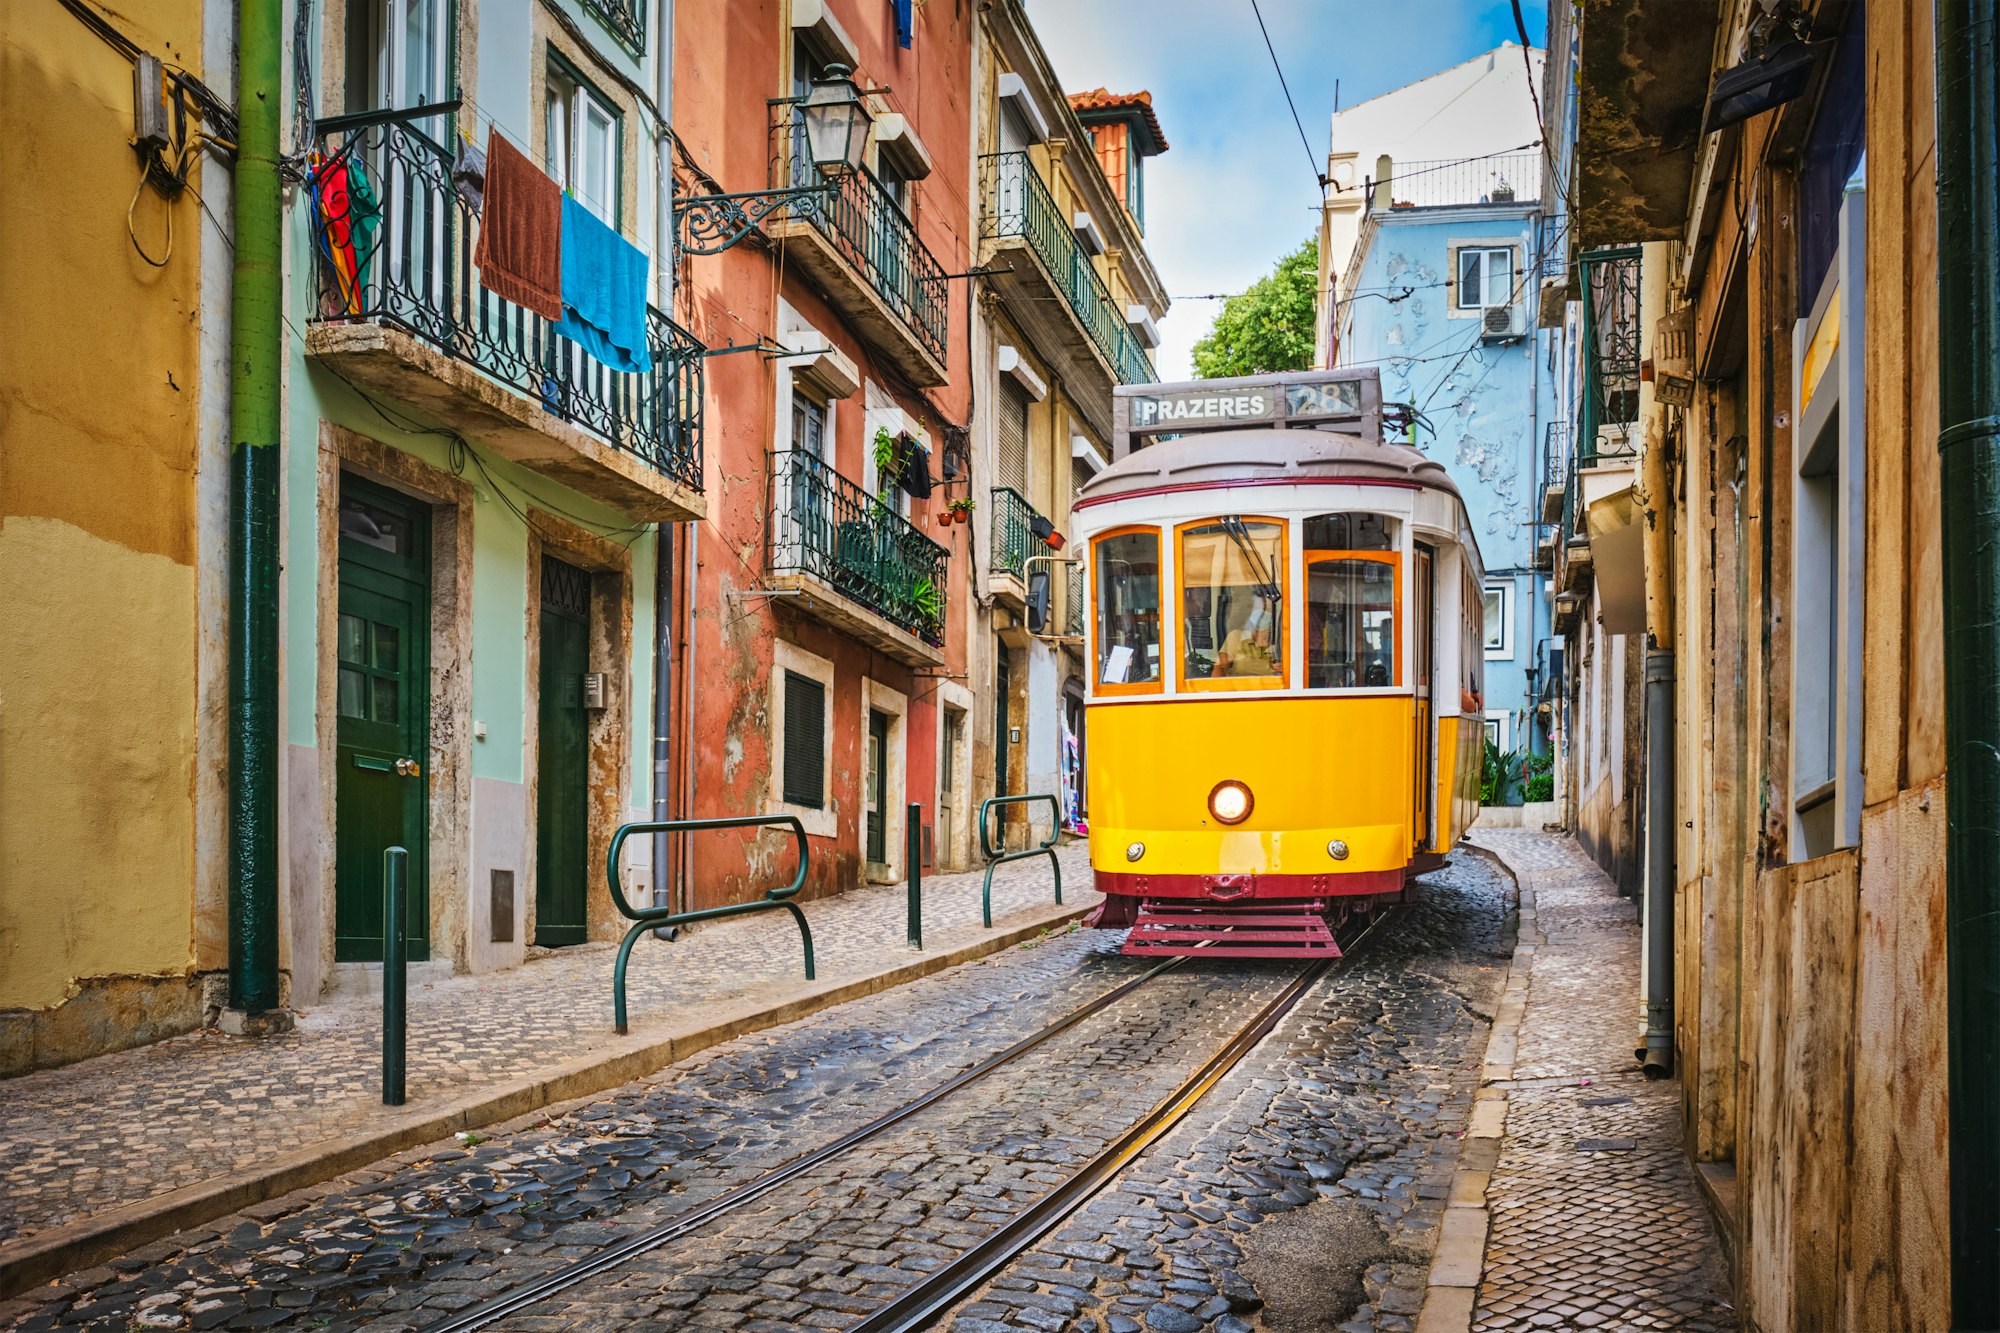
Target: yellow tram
[1284,715]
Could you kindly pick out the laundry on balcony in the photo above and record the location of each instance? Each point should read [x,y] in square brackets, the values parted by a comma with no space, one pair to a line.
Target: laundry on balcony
[520,251]
[468,174]
[603,291]
[347,214]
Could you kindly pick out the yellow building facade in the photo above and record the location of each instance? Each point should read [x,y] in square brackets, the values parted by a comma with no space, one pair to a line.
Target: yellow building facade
[113,491]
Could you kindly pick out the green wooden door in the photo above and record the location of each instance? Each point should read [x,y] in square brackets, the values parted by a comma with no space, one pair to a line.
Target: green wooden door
[562,771]
[878,787]
[382,712]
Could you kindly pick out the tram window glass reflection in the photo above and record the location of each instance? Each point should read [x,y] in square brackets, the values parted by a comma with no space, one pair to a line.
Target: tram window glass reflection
[1128,608]
[1348,532]
[1350,622]
[1232,573]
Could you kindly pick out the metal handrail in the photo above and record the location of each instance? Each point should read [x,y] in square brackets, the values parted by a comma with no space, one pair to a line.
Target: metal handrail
[394,242]
[656,918]
[1013,532]
[826,526]
[1019,205]
[997,858]
[869,229]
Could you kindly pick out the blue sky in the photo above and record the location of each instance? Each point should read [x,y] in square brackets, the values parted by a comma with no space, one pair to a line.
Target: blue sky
[1236,190]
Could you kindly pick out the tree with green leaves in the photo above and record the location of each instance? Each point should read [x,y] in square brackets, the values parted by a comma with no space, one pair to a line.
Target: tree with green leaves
[1268,328]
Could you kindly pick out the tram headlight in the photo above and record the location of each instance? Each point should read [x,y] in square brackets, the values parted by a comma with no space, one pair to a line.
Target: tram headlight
[1230,801]
[1135,851]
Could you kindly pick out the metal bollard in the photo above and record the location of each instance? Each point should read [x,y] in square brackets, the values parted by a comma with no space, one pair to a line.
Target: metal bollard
[395,971]
[913,852]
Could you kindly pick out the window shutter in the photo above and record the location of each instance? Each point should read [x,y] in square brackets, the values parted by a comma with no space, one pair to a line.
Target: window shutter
[805,741]
[1012,463]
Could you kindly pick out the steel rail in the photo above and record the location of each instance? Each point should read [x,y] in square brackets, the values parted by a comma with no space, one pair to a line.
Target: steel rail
[918,1307]
[540,1289]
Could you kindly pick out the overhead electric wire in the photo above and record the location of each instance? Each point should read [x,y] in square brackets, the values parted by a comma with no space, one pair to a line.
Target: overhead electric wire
[1548,155]
[1304,142]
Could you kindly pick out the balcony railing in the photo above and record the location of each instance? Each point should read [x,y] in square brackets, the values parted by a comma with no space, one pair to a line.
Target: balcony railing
[1610,351]
[625,18]
[1018,206]
[1555,454]
[1509,178]
[870,231]
[1014,537]
[828,528]
[394,245]
[1073,603]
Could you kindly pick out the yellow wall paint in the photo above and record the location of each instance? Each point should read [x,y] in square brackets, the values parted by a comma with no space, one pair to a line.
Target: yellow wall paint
[1317,768]
[97,735]
[99,431]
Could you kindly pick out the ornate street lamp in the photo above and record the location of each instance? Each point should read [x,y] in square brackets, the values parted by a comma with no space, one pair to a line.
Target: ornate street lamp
[836,124]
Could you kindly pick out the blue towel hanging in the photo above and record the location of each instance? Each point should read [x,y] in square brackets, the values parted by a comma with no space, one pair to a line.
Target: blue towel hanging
[603,291]
[906,22]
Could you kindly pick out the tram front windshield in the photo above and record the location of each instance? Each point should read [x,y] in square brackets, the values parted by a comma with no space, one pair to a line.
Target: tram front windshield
[1128,609]
[1233,599]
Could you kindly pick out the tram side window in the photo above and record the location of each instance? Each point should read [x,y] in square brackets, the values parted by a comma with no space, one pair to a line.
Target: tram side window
[1350,622]
[1128,608]
[1232,599]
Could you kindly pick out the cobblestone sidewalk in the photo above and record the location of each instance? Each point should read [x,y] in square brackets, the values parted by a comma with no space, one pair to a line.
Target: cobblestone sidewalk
[124,1128]
[1593,1219]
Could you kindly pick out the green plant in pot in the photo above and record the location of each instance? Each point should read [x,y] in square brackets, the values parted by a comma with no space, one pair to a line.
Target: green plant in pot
[929,603]
[961,510]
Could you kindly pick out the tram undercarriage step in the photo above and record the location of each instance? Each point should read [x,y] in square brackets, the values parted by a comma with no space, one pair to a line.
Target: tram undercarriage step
[1170,927]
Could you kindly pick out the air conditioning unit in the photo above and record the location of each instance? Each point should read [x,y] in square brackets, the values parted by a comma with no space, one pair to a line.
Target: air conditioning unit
[1497,323]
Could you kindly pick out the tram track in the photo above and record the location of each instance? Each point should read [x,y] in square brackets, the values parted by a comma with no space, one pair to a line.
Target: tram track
[920,1305]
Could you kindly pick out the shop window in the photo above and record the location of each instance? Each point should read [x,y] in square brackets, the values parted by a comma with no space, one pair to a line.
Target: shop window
[1232,575]
[1128,611]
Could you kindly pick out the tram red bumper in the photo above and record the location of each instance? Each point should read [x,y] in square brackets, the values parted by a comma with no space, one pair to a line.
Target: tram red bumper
[1249,887]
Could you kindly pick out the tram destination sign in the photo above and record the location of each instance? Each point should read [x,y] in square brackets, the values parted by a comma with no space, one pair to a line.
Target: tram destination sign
[1347,401]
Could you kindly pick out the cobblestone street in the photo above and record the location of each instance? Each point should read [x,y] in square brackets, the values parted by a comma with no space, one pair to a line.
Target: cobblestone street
[125,1128]
[1596,1219]
[1303,1192]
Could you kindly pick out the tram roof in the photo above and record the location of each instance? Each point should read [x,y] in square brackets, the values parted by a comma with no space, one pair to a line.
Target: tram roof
[1266,456]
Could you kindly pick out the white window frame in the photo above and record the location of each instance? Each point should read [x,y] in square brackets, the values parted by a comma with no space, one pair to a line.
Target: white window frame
[568,104]
[1484,249]
[1827,627]
[1501,721]
[786,656]
[1503,650]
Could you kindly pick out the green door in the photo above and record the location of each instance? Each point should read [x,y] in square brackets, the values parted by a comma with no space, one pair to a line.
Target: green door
[561,841]
[382,711]
[878,787]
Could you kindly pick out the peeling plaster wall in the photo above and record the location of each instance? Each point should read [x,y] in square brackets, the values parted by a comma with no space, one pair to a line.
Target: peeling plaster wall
[1486,402]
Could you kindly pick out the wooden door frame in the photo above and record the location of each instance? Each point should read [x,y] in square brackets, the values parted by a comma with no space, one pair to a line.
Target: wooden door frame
[311,787]
[609,734]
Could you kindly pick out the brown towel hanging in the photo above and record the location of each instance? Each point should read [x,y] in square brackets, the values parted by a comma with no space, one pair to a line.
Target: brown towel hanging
[520,236]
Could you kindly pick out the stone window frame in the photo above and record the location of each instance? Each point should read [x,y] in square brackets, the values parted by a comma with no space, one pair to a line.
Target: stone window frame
[788,656]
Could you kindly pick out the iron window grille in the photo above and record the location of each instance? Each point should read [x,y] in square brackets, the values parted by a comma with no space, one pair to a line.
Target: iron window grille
[1014,537]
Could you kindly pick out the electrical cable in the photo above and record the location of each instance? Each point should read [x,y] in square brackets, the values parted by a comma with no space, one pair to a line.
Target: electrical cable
[1548,154]
[131,227]
[1304,142]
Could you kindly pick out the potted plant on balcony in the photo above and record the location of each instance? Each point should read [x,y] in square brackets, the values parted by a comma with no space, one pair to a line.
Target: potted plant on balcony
[961,509]
[929,602]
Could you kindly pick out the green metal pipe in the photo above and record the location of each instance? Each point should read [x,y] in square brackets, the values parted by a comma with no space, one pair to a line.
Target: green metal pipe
[256,346]
[1968,162]
[395,973]
[913,860]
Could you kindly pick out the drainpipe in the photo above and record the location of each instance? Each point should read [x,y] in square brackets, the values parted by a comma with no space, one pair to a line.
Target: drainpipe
[257,347]
[1968,352]
[663,558]
[1656,512]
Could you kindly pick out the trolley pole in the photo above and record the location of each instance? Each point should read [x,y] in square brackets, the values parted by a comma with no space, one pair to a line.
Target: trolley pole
[913,853]
[395,973]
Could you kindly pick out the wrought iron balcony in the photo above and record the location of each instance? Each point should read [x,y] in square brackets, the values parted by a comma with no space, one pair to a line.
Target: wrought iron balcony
[394,243]
[1506,178]
[865,230]
[1555,466]
[626,19]
[1610,354]
[1019,207]
[829,530]
[1014,538]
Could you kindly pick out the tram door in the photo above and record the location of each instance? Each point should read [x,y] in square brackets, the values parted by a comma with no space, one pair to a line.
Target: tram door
[1424,753]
